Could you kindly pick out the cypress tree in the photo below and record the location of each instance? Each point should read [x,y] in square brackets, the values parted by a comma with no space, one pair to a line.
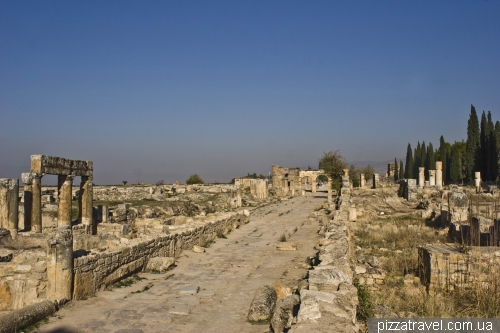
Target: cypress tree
[455,164]
[491,161]
[409,163]
[472,148]
[483,148]
[431,159]
[497,141]
[396,171]
[401,172]
[416,160]
[442,156]
[423,156]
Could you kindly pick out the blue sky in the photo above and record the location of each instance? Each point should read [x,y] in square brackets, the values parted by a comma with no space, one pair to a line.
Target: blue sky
[153,90]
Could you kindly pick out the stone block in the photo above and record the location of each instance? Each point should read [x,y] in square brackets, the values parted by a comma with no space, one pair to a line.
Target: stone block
[286,246]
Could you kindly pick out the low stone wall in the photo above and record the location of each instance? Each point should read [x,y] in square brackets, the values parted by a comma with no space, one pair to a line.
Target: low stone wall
[330,303]
[95,272]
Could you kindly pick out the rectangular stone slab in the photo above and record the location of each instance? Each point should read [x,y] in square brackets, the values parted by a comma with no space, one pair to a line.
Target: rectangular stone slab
[60,166]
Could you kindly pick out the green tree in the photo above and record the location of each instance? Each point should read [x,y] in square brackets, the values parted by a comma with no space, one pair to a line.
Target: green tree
[401,172]
[333,164]
[409,163]
[443,157]
[416,160]
[368,171]
[497,146]
[423,155]
[354,175]
[473,142]
[491,158]
[194,179]
[455,172]
[430,159]
[124,182]
[483,148]
[396,170]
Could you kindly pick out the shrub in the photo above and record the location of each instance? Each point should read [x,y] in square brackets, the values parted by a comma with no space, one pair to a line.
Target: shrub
[194,179]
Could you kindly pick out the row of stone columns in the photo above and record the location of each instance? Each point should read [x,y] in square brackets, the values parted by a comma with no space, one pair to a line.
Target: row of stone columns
[435,176]
[33,201]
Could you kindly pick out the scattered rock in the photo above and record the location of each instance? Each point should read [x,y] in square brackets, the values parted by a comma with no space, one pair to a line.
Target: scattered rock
[360,270]
[286,309]
[373,261]
[159,264]
[190,290]
[5,255]
[286,246]
[198,249]
[262,305]
[282,289]
[327,278]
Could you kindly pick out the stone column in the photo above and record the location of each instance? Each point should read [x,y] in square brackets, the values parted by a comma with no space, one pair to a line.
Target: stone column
[85,202]
[477,180]
[36,207]
[346,173]
[375,180]
[330,199]
[65,184]
[60,264]
[362,181]
[432,177]
[9,197]
[421,176]
[27,178]
[105,213]
[439,174]
[313,186]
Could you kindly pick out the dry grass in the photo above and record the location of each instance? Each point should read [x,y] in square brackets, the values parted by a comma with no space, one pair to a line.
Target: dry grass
[395,244]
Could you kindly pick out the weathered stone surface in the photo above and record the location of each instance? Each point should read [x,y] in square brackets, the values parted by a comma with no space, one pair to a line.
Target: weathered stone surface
[315,304]
[282,289]
[160,264]
[286,309]
[304,284]
[5,255]
[60,166]
[327,278]
[198,249]
[190,290]
[286,246]
[262,306]
[5,296]
[26,316]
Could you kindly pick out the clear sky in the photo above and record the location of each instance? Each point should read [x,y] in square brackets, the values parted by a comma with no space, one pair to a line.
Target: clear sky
[158,90]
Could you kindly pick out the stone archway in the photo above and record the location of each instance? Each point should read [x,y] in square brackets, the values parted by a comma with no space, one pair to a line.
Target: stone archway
[313,175]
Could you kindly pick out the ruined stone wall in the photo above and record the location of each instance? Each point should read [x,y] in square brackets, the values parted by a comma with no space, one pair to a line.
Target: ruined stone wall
[97,271]
[445,267]
[258,187]
[286,181]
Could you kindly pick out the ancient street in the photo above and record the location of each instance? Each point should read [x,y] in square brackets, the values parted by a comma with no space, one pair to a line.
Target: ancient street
[206,292]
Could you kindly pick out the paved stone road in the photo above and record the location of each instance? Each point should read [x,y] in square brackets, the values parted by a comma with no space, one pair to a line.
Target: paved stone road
[227,276]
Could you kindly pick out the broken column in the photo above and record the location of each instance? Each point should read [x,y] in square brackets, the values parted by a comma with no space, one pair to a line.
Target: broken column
[65,184]
[477,180]
[421,176]
[375,180]
[60,264]
[362,181]
[439,174]
[27,178]
[313,186]
[432,177]
[9,197]
[85,202]
[36,203]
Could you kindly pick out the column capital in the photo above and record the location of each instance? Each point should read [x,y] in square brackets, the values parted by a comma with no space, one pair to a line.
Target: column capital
[69,178]
[27,178]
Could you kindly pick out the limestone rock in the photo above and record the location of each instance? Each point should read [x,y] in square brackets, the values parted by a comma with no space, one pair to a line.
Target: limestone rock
[282,289]
[246,212]
[315,304]
[5,296]
[160,264]
[373,261]
[304,284]
[5,255]
[198,249]
[286,246]
[286,309]
[327,278]
[360,270]
[262,305]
